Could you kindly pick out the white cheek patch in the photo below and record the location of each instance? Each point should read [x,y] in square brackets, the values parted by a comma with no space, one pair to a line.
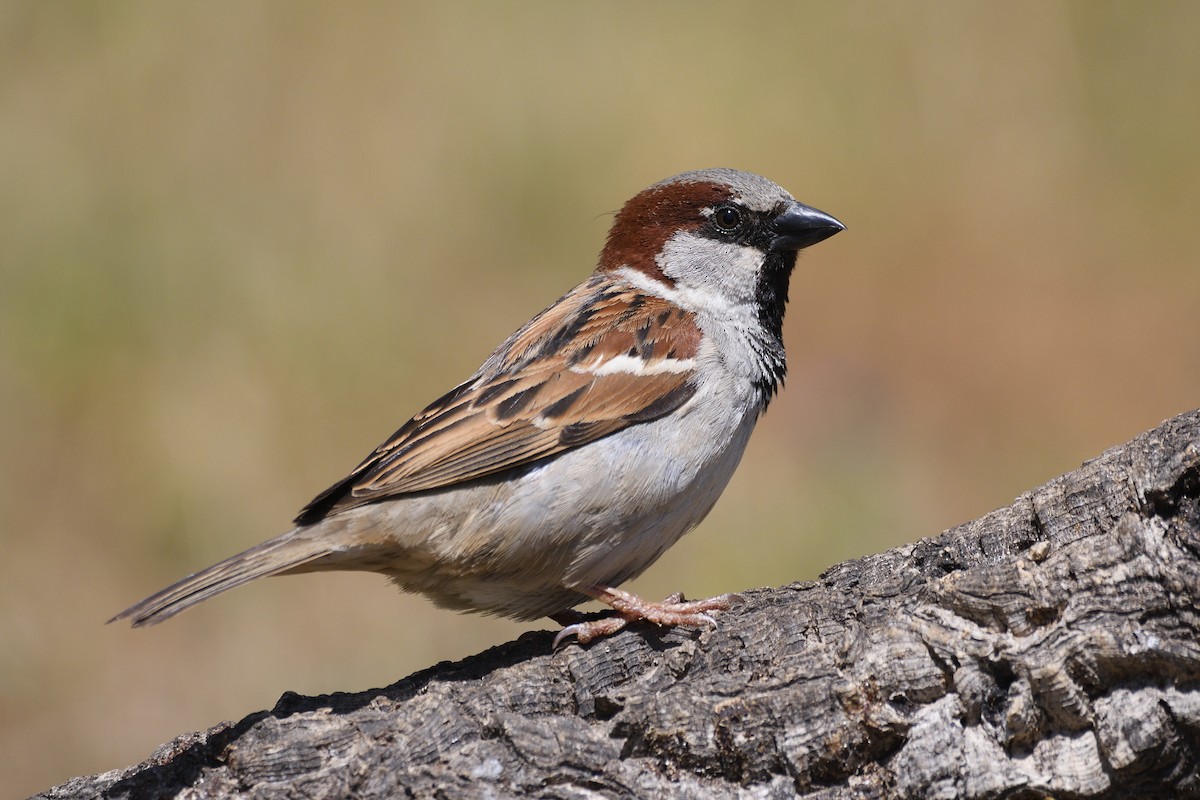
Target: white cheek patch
[721,270]
[633,365]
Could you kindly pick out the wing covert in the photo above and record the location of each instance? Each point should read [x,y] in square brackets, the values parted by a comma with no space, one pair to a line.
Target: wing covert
[604,357]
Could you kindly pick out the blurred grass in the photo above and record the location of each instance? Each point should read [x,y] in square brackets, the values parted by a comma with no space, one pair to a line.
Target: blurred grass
[243,242]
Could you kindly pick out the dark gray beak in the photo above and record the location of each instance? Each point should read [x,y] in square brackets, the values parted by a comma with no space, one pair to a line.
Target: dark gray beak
[799,226]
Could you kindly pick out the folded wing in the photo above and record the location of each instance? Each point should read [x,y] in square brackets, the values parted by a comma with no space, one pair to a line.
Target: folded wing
[603,358]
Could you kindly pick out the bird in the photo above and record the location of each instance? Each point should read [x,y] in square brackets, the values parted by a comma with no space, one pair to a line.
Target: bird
[588,443]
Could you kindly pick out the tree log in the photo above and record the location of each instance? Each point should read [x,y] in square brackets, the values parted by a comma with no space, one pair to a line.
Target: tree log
[1050,648]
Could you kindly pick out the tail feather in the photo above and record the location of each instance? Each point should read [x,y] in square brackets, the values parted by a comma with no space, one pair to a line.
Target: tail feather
[272,557]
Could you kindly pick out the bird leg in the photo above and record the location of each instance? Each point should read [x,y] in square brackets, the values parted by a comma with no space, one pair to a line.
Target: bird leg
[630,608]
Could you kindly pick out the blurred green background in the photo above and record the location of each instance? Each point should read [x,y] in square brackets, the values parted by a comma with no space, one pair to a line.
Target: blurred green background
[243,242]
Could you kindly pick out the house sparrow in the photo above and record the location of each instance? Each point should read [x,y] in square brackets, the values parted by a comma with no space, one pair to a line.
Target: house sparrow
[588,443]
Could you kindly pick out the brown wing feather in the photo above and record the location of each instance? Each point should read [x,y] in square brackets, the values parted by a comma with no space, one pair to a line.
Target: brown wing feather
[538,395]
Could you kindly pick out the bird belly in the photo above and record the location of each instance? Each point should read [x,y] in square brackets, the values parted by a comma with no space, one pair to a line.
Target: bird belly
[522,546]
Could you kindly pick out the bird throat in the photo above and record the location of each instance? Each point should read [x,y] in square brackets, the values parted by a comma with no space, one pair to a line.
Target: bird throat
[772,295]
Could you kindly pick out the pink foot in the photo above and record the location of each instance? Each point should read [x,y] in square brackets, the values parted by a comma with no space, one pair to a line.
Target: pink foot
[629,607]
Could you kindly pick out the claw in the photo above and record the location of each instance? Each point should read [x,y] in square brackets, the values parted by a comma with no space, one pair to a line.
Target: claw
[629,607]
[585,632]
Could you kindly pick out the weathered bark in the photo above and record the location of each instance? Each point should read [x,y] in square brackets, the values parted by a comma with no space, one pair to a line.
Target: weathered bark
[1049,648]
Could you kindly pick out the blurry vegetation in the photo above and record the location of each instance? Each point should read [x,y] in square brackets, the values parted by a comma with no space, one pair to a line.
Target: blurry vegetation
[242,243]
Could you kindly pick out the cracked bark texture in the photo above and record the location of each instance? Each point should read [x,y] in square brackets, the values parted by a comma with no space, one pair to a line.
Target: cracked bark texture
[1050,648]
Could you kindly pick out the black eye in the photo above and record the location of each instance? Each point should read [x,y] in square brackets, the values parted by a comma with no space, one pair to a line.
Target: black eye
[727,218]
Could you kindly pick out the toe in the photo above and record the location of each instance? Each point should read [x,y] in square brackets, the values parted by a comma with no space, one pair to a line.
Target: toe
[585,632]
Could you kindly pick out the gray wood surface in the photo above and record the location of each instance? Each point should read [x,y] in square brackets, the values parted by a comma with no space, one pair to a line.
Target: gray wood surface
[1050,648]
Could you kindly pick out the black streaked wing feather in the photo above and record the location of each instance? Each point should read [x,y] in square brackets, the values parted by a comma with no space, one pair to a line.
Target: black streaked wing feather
[536,396]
